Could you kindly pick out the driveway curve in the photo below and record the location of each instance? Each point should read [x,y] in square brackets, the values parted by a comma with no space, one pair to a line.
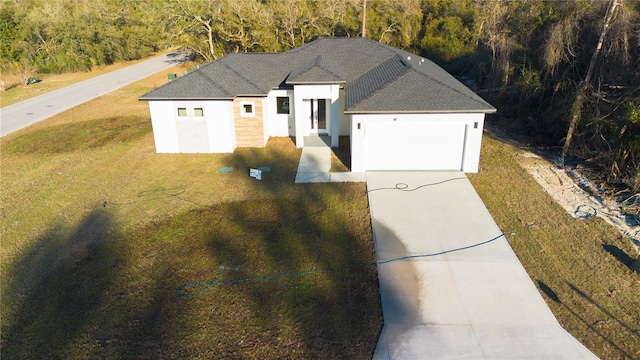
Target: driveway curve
[451,286]
[28,112]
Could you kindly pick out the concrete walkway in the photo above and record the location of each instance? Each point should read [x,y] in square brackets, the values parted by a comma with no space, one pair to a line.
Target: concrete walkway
[20,115]
[314,166]
[462,293]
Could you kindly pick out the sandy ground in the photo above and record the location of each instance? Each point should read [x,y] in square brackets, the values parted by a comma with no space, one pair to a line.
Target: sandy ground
[567,186]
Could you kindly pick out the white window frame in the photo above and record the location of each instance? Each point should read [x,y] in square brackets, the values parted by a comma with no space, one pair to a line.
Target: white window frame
[195,113]
[245,113]
[186,113]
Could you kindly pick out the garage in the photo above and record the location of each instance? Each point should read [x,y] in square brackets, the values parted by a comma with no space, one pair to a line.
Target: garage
[414,146]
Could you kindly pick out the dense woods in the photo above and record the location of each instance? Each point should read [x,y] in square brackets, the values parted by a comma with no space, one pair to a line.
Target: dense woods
[543,64]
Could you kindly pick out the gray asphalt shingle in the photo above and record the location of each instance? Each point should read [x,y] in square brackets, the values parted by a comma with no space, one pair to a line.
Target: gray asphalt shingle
[318,70]
[377,78]
[414,92]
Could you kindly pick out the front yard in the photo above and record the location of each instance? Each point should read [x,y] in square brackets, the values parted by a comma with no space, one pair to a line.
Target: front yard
[98,233]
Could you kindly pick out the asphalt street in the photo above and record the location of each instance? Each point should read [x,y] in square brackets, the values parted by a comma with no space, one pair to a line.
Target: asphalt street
[28,112]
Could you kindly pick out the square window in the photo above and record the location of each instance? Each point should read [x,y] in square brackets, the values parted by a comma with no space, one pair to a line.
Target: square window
[198,112]
[283,105]
[247,109]
[182,112]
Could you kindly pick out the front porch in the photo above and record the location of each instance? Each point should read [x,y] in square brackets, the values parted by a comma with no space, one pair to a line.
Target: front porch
[317,141]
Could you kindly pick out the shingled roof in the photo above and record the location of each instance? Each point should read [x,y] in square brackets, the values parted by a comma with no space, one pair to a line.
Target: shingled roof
[377,78]
[318,70]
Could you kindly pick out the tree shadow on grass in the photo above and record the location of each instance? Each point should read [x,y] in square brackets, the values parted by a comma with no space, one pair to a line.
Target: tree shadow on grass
[300,263]
[343,154]
[634,331]
[620,255]
[94,292]
[547,291]
[55,289]
[332,312]
[604,336]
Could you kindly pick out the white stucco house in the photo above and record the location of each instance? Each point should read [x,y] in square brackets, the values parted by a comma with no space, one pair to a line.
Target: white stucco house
[401,111]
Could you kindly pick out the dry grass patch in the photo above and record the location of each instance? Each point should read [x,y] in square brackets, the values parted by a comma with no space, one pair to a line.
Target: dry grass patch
[592,293]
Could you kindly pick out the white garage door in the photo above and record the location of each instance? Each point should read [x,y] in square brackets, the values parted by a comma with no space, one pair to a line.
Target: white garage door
[402,146]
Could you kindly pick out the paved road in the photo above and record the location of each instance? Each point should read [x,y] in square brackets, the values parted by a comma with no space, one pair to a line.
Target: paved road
[450,284]
[25,113]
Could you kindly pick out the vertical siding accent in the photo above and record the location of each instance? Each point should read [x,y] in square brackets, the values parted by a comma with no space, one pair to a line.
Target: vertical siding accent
[249,130]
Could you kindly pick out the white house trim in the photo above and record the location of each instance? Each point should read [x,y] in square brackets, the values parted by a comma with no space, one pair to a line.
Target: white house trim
[329,92]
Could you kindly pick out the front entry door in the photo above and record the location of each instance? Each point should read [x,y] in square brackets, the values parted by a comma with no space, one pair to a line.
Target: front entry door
[318,118]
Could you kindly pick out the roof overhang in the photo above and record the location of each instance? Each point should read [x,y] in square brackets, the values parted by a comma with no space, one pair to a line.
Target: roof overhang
[193,98]
[183,99]
[340,82]
[387,112]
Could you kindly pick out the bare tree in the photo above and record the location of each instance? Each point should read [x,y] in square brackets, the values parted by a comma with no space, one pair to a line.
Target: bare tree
[193,20]
[496,36]
[584,84]
[208,29]
[24,69]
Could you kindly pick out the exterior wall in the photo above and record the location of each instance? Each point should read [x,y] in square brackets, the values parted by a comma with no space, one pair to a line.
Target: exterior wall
[302,92]
[345,119]
[249,130]
[472,136]
[211,133]
[219,115]
[163,122]
[279,124]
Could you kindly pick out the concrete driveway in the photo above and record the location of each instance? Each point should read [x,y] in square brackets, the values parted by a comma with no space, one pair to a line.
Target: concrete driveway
[451,286]
[20,115]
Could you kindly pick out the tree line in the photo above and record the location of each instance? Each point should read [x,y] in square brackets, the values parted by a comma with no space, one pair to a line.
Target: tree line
[547,66]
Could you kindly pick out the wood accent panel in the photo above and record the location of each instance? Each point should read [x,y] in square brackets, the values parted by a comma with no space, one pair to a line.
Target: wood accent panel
[249,130]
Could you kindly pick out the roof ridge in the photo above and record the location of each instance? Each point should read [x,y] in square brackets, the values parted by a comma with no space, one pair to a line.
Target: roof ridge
[320,62]
[323,61]
[304,67]
[355,82]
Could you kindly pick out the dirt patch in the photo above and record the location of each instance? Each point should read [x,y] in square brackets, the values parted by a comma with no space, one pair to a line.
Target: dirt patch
[573,191]
[577,195]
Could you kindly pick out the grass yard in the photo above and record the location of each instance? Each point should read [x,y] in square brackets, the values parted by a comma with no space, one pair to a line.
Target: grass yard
[99,231]
[579,266]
